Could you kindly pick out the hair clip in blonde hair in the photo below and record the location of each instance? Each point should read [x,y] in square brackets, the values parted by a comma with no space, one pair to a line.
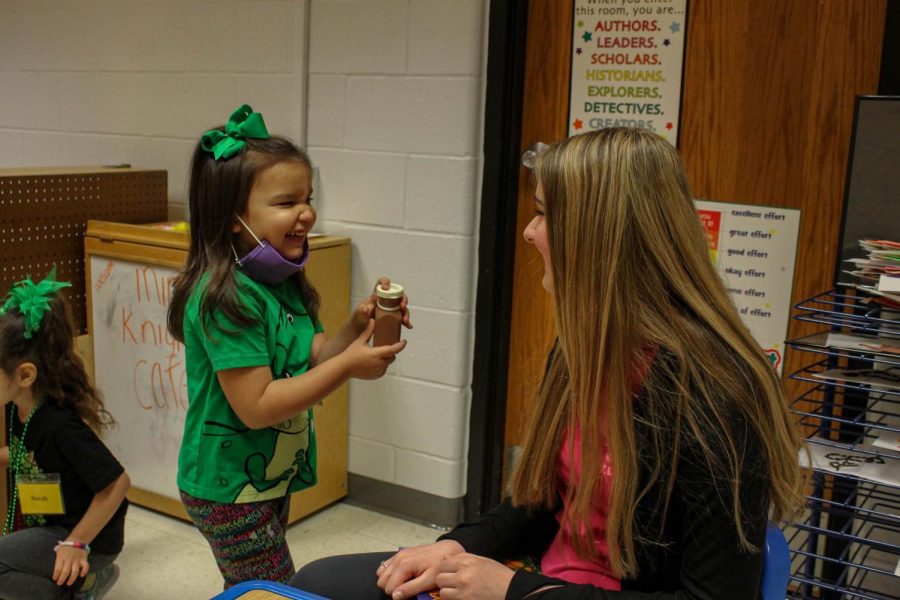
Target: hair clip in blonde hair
[33,300]
[530,155]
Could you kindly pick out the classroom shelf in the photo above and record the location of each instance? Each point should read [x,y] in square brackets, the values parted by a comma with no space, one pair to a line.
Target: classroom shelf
[843,308]
[847,545]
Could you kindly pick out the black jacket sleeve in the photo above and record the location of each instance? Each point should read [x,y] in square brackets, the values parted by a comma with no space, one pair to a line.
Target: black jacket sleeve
[507,532]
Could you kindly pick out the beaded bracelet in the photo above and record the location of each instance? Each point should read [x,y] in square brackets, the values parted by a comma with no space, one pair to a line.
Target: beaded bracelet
[74,544]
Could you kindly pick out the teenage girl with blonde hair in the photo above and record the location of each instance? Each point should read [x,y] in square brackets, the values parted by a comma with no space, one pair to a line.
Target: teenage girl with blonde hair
[661,443]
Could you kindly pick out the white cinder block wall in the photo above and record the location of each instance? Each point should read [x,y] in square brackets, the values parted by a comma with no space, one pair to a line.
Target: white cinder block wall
[395,98]
[393,123]
[88,82]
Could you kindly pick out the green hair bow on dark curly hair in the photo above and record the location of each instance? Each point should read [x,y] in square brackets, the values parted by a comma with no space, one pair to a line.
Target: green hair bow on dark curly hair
[243,123]
[33,299]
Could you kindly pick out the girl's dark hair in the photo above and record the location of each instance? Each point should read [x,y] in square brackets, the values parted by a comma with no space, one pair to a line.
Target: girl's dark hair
[61,376]
[218,191]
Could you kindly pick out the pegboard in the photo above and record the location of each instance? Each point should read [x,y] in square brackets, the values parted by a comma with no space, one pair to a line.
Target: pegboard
[44,212]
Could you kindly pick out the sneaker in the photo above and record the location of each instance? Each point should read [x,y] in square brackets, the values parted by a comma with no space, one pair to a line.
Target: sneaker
[101,585]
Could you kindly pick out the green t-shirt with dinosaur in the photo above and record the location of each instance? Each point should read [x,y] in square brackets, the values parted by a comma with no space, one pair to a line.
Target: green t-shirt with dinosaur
[221,459]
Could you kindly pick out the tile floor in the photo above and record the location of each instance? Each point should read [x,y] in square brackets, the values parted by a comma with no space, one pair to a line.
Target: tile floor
[167,558]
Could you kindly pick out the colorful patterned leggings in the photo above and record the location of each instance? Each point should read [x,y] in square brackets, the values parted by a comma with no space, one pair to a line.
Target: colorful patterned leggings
[246,539]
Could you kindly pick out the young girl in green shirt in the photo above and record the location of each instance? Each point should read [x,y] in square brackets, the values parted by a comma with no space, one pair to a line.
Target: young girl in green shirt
[256,358]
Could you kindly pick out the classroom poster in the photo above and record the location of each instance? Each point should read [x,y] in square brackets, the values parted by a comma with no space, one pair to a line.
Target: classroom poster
[754,248]
[627,58]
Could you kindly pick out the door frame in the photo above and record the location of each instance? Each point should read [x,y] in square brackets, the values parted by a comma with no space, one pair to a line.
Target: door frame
[505,76]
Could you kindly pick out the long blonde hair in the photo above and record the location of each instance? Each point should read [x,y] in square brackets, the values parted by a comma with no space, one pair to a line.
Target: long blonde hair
[632,272]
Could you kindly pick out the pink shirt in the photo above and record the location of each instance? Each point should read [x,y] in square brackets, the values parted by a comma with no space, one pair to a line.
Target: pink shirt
[560,560]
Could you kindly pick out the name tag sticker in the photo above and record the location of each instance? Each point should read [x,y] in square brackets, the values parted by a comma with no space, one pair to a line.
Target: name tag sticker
[40,494]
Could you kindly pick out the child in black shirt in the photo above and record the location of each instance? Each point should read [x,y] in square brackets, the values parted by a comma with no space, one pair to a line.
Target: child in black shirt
[66,514]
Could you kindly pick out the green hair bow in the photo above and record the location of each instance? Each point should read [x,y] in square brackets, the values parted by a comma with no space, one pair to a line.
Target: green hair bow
[33,300]
[243,123]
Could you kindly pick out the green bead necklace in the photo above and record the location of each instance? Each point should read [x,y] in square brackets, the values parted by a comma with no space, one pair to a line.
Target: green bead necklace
[15,459]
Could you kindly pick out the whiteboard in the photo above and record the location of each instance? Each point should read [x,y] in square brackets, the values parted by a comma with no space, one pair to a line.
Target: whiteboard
[139,368]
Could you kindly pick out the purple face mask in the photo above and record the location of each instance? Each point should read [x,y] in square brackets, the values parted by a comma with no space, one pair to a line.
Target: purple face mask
[266,265]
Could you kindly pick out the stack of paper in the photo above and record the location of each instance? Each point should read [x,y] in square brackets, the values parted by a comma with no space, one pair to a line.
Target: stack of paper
[866,462]
[881,379]
[880,271]
[878,344]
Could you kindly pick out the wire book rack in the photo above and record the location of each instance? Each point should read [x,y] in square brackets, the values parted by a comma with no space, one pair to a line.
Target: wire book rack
[847,545]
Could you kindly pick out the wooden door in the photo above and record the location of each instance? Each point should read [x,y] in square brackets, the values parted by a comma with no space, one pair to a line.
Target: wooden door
[766,117]
[544,114]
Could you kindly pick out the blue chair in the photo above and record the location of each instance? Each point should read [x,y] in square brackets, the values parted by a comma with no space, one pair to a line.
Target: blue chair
[276,590]
[776,565]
